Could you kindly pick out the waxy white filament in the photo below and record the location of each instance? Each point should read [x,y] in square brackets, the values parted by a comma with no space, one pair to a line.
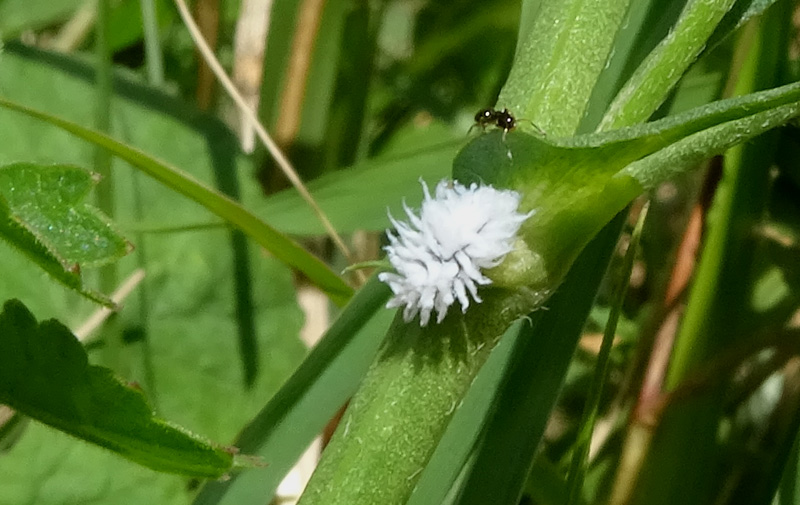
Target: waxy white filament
[438,256]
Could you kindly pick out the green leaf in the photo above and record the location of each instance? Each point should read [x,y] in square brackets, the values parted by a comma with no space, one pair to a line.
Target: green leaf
[574,186]
[45,374]
[191,345]
[44,217]
[278,244]
[46,201]
[180,324]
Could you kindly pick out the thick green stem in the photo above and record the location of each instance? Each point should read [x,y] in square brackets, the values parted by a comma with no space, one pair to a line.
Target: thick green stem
[406,401]
[558,61]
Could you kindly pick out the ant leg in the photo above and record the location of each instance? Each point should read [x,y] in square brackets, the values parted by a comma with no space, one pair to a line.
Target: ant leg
[535,127]
[476,125]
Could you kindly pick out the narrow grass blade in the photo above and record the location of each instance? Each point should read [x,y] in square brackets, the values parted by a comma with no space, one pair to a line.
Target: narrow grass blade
[299,411]
[278,244]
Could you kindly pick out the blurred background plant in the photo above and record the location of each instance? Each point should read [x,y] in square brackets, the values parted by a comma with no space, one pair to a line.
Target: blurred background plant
[703,384]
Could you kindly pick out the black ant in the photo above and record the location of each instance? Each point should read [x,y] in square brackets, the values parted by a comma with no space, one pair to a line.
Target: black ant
[499,118]
[491,117]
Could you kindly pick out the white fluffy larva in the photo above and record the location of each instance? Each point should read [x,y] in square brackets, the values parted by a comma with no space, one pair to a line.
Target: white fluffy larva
[438,256]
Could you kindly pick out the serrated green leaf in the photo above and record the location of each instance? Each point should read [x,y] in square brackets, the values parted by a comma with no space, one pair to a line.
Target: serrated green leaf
[45,218]
[45,374]
[47,201]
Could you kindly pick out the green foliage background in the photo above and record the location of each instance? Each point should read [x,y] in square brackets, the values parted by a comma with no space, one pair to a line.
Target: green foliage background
[211,335]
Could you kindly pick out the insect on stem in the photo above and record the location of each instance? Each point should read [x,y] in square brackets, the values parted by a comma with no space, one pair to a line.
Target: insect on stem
[500,118]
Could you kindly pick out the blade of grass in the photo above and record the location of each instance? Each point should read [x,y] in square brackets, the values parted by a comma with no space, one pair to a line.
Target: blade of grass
[630,47]
[577,469]
[152,43]
[685,448]
[741,12]
[270,144]
[738,206]
[534,378]
[456,446]
[275,242]
[297,413]
[661,70]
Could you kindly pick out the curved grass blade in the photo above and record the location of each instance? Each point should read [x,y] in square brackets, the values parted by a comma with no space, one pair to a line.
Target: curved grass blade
[272,240]
[741,12]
